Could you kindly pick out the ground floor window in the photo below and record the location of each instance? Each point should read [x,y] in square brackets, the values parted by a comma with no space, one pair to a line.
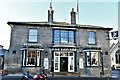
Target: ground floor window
[92,58]
[31,58]
[64,61]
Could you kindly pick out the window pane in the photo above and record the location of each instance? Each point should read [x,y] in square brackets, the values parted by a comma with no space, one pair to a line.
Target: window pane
[63,54]
[31,58]
[33,32]
[56,66]
[32,38]
[56,36]
[71,36]
[71,63]
[33,35]
[57,53]
[64,36]
[94,58]
[91,37]
[88,58]
[56,59]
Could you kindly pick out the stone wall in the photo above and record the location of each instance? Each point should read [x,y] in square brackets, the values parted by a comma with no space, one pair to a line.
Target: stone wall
[19,36]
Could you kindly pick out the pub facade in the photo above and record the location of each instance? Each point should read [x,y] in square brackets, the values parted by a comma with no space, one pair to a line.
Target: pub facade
[60,47]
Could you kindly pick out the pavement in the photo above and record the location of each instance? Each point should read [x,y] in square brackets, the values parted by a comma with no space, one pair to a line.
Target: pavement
[58,77]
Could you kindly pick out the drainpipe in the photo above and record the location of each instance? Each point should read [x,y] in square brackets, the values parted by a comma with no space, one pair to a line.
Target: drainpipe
[102,70]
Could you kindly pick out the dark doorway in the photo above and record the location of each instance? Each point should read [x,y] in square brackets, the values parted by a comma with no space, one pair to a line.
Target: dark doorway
[63,64]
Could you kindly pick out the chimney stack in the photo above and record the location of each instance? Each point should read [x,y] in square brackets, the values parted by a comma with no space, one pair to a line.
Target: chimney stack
[50,16]
[73,17]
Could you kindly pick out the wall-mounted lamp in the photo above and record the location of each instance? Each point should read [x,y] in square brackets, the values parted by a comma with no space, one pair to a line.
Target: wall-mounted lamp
[81,53]
[14,51]
[46,53]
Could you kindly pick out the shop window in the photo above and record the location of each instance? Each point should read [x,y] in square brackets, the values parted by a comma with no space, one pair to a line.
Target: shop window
[92,58]
[31,58]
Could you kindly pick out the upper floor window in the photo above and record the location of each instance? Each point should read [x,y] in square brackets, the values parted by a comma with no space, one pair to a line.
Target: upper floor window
[56,36]
[63,36]
[71,36]
[33,35]
[92,38]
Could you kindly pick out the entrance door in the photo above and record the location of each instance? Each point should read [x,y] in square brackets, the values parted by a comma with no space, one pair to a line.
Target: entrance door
[63,64]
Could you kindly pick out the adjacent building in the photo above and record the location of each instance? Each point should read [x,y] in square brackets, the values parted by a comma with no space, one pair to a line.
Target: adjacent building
[2,56]
[61,47]
[115,49]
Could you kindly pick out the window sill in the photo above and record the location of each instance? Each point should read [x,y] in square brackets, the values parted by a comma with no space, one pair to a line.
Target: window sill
[92,66]
[30,66]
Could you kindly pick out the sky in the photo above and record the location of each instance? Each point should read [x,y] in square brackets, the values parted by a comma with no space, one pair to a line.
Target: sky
[91,12]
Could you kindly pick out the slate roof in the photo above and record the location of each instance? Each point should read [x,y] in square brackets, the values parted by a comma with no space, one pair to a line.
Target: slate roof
[59,24]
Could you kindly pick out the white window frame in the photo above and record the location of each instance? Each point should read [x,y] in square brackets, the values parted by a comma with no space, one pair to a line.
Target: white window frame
[58,70]
[33,35]
[89,62]
[25,58]
[69,62]
[91,37]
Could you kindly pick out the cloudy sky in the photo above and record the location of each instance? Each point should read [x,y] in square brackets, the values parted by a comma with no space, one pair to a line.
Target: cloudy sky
[92,12]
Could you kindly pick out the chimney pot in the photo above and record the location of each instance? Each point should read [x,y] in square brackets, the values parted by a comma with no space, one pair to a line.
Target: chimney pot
[73,17]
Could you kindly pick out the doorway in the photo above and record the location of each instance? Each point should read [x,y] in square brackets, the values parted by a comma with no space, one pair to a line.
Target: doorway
[63,64]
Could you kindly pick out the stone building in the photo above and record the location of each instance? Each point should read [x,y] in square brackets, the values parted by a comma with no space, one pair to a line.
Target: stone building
[63,48]
[115,49]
